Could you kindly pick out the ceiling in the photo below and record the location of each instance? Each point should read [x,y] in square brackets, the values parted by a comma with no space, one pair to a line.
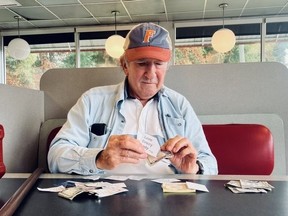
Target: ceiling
[37,14]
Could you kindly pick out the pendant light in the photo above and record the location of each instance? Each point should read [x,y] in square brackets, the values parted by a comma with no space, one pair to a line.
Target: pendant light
[223,40]
[114,44]
[18,48]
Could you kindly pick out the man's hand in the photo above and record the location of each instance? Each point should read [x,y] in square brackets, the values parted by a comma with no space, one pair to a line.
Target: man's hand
[184,154]
[120,149]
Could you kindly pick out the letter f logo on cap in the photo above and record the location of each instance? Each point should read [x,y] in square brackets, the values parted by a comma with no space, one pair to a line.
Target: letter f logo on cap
[148,35]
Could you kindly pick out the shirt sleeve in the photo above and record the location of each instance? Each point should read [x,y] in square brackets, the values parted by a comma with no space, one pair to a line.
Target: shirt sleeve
[179,118]
[196,135]
[66,159]
[69,152]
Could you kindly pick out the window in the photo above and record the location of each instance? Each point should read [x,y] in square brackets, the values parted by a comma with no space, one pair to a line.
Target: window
[92,49]
[276,42]
[193,45]
[57,51]
[47,51]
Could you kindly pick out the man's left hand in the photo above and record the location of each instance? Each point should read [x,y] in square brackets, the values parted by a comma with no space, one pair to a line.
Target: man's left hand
[184,154]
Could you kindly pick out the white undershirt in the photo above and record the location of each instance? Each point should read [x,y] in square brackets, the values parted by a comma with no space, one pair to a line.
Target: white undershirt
[142,120]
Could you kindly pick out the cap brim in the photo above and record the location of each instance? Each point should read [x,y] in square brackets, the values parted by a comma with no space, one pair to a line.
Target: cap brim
[148,52]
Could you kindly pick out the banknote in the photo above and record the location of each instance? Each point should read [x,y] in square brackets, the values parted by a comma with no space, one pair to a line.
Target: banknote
[248,186]
[161,155]
[176,187]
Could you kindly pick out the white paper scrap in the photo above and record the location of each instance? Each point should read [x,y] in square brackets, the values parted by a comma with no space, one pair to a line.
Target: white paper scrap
[197,187]
[92,177]
[52,189]
[118,178]
[97,184]
[104,192]
[161,181]
[136,178]
[150,144]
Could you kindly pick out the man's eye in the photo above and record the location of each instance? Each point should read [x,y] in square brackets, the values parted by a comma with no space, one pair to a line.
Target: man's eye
[142,63]
[147,63]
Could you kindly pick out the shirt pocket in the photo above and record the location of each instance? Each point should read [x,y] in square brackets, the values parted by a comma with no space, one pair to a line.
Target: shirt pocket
[98,141]
[176,125]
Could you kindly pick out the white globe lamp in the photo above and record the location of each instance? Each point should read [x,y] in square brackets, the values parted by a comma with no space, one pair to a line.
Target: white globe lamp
[18,49]
[114,46]
[223,40]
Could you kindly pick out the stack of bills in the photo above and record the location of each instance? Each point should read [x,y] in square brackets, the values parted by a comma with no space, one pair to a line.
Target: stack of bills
[176,187]
[183,187]
[99,189]
[248,186]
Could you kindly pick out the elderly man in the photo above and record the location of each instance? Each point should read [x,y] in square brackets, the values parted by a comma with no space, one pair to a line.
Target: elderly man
[139,126]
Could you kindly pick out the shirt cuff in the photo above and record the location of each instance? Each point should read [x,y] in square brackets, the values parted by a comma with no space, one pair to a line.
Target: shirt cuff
[88,162]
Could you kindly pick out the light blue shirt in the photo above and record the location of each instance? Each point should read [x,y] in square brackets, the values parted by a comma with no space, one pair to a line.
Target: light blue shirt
[75,147]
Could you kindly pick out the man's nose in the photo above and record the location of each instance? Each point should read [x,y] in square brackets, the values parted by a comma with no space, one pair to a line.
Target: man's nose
[150,70]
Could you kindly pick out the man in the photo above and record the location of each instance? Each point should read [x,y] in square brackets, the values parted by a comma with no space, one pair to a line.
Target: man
[129,128]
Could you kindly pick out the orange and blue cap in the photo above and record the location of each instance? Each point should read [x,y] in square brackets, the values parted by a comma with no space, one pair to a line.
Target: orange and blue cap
[148,40]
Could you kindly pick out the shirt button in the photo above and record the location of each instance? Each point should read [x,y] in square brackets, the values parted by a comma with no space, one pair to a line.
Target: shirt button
[179,124]
[91,171]
[123,121]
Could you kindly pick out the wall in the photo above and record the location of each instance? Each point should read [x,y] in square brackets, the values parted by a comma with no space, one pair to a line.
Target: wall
[21,114]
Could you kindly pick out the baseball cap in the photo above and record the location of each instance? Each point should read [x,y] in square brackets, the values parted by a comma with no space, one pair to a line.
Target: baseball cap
[147,40]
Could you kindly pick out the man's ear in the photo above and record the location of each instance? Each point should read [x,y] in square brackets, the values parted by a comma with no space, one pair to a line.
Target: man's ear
[123,64]
[125,69]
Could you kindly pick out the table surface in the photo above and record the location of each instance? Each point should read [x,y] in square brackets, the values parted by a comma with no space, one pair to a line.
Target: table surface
[145,197]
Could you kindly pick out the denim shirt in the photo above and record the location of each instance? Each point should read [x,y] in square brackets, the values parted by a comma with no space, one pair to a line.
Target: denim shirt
[75,147]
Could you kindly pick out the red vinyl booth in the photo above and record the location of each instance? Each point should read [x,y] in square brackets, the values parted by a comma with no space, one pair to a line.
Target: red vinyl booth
[2,166]
[241,149]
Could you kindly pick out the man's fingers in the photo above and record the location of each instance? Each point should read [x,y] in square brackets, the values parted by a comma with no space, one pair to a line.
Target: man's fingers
[127,142]
[127,153]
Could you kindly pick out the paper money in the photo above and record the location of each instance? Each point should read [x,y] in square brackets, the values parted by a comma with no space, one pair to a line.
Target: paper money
[248,186]
[161,155]
[178,187]
[100,189]
[70,193]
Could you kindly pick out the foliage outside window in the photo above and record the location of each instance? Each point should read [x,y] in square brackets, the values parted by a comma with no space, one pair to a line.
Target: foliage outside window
[276,42]
[193,45]
[27,73]
[92,54]
[207,55]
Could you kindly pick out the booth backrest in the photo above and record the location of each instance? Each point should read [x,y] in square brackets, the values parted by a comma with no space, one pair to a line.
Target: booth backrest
[219,94]
[48,130]
[241,149]
[50,137]
[216,91]
[2,166]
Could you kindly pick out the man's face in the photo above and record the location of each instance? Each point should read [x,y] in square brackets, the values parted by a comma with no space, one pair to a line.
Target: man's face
[145,77]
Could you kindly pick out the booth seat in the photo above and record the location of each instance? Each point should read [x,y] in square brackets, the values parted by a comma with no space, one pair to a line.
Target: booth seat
[240,149]
[2,166]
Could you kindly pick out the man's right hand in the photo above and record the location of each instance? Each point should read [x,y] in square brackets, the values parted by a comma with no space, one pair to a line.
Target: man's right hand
[120,149]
